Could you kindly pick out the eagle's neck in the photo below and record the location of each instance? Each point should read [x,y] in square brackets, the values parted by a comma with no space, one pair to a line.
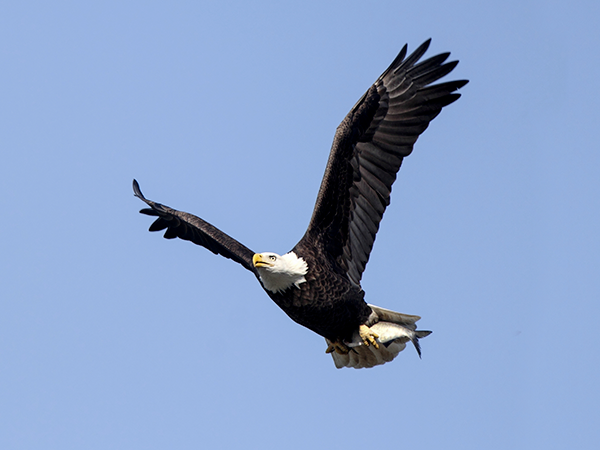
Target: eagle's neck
[287,272]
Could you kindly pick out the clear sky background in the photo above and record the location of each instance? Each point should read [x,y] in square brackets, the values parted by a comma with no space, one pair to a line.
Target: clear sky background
[112,337]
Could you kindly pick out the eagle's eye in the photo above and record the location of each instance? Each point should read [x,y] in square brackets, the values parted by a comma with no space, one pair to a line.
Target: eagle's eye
[272,258]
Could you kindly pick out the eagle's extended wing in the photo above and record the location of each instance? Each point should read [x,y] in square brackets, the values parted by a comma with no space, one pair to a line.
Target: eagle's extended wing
[191,228]
[367,152]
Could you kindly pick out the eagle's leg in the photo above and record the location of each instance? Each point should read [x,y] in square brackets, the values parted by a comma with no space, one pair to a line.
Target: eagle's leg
[339,347]
[367,336]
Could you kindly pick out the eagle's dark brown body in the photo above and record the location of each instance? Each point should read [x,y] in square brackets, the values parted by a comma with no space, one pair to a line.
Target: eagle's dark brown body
[327,303]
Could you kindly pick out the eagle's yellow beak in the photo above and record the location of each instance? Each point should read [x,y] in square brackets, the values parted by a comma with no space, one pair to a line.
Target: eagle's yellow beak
[258,261]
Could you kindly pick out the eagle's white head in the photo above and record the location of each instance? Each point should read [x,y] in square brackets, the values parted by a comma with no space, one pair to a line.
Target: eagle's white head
[279,273]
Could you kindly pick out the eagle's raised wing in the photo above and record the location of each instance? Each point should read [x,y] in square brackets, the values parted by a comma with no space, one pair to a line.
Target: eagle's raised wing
[367,152]
[191,228]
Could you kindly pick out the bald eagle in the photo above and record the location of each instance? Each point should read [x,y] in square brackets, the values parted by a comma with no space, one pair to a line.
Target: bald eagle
[317,283]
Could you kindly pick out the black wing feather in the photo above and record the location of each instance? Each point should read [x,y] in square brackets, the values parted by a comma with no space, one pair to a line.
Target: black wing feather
[367,152]
[191,228]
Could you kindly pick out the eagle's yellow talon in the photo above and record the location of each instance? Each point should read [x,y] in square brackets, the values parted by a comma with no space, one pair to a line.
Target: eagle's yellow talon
[367,336]
[339,347]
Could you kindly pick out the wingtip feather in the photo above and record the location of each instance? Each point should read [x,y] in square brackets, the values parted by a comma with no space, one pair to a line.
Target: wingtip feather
[137,191]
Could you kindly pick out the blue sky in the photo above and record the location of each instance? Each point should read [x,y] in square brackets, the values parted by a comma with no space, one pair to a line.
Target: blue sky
[112,337]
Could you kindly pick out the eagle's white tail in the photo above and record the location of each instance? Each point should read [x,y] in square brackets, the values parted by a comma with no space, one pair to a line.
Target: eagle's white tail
[394,330]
